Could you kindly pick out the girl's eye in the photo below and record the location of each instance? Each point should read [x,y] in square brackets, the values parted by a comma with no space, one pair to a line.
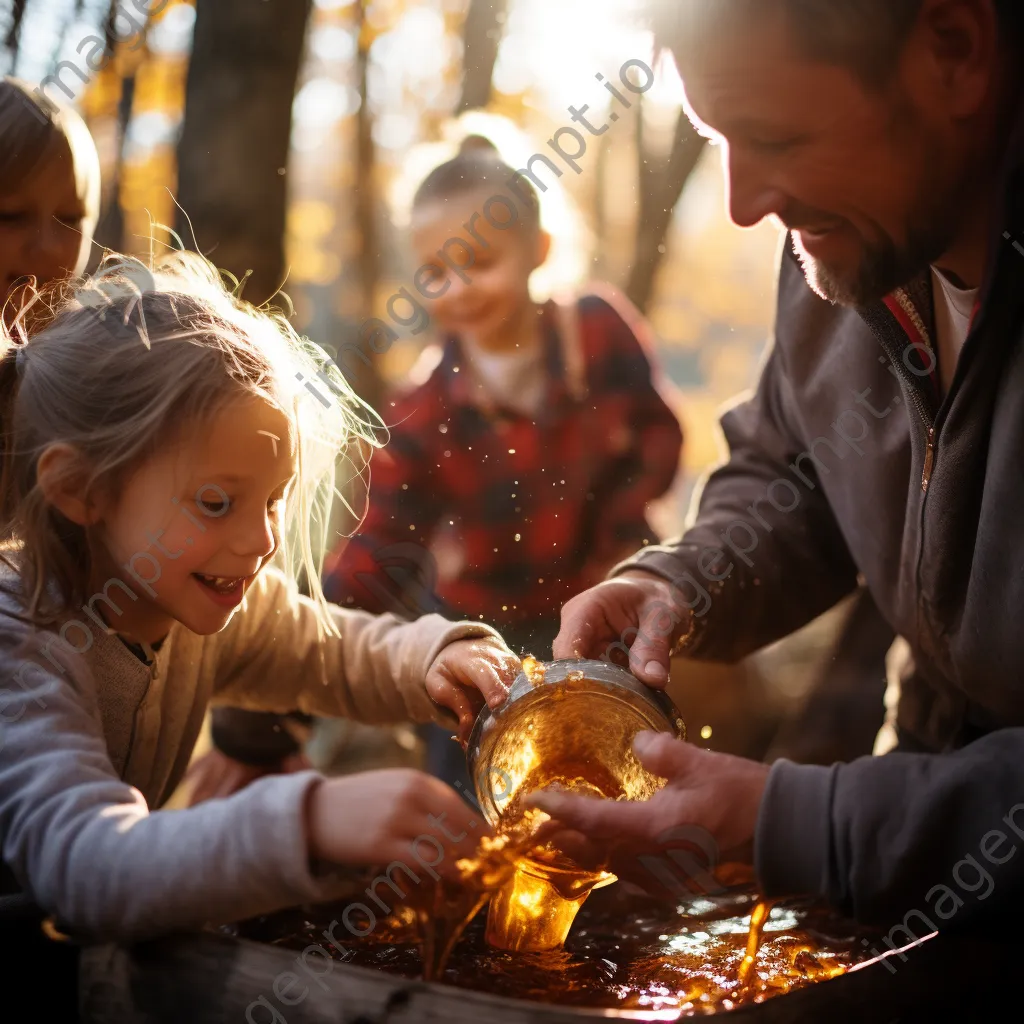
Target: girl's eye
[213,508]
[275,504]
[72,221]
[12,217]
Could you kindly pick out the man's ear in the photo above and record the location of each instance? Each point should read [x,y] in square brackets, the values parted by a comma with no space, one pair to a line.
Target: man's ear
[961,43]
[62,474]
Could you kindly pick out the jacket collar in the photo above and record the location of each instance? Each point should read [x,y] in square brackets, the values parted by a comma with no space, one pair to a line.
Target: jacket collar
[912,305]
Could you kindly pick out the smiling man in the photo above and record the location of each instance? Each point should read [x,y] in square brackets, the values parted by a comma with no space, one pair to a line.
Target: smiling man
[884,443]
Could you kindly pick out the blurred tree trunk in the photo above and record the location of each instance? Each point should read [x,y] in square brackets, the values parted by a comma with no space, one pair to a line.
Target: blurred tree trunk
[233,152]
[661,185]
[111,226]
[370,385]
[110,229]
[482,34]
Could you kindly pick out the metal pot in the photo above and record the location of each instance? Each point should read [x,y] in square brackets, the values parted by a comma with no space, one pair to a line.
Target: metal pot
[572,704]
[567,725]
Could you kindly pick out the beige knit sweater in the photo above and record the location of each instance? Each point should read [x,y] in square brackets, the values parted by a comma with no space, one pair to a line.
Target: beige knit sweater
[92,742]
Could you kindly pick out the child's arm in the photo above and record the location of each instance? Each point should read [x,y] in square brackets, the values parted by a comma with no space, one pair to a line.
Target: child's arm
[84,844]
[271,657]
[86,847]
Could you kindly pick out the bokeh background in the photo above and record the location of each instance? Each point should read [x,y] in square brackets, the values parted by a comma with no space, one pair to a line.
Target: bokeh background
[284,138]
[379,90]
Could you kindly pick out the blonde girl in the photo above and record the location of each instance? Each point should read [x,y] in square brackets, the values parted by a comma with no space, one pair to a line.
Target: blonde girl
[162,468]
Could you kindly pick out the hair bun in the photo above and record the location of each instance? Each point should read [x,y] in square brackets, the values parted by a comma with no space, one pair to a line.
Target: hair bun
[477,144]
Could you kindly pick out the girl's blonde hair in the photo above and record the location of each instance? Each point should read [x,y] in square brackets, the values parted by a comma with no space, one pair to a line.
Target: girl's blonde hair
[33,129]
[122,364]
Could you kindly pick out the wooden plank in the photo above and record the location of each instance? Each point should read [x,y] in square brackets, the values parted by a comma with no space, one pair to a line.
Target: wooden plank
[213,979]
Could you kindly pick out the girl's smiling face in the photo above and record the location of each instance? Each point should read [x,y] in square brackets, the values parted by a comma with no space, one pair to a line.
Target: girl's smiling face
[194,525]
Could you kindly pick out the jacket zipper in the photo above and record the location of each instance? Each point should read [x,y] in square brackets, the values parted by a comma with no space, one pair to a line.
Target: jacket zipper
[929,461]
[927,420]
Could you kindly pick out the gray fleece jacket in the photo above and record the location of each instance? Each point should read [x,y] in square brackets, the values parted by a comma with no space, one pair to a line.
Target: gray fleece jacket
[92,743]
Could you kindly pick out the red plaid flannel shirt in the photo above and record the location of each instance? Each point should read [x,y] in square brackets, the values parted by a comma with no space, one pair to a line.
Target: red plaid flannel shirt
[480,512]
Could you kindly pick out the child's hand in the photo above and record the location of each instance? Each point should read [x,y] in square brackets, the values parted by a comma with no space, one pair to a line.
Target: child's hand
[468,672]
[392,815]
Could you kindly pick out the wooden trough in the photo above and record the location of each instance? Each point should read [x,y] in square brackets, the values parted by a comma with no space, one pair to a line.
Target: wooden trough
[214,979]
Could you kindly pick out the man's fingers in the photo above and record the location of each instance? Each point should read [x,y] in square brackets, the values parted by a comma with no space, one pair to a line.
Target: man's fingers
[649,653]
[583,625]
[649,664]
[664,755]
[627,618]
[596,819]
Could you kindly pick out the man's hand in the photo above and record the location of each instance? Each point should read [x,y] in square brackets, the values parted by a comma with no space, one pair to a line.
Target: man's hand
[705,815]
[467,673]
[636,614]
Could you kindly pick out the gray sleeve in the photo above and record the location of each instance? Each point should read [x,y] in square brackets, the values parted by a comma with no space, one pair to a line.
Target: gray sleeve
[87,848]
[765,555]
[928,838]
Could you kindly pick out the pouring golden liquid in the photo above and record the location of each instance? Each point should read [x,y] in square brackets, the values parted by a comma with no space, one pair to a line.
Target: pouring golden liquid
[570,727]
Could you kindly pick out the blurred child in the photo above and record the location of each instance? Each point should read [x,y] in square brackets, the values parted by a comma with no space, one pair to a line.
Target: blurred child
[49,189]
[524,461]
[158,454]
[520,467]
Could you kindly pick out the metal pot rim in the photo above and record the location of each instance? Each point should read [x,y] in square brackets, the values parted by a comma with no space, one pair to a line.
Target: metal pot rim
[612,676]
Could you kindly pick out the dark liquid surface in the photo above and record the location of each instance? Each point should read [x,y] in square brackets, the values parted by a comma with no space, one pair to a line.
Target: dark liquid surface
[623,952]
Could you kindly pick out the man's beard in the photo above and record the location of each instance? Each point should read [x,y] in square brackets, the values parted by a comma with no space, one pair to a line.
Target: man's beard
[884,266]
[932,227]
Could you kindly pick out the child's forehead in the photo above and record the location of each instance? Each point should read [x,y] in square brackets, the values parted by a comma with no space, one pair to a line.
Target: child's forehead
[248,437]
[55,177]
[495,217]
